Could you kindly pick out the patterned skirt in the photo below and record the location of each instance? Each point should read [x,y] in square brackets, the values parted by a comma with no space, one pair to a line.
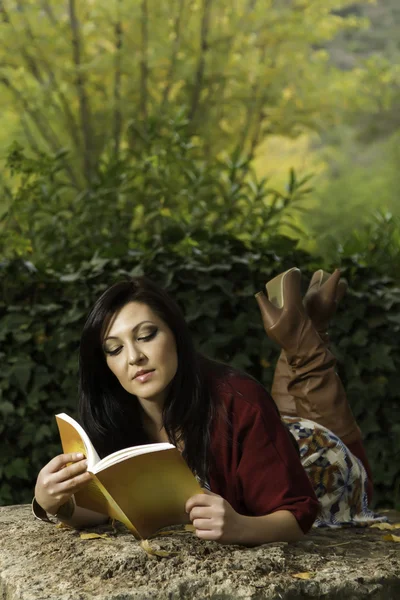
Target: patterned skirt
[338,477]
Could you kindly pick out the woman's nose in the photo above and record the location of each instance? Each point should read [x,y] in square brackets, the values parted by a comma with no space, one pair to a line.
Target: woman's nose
[135,356]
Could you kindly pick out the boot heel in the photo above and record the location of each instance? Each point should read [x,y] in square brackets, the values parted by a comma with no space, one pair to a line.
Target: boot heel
[275,288]
[322,297]
[319,279]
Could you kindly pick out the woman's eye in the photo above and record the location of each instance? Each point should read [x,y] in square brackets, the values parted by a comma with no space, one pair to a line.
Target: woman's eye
[147,338]
[113,351]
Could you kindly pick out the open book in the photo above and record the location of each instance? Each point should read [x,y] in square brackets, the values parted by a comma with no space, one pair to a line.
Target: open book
[144,487]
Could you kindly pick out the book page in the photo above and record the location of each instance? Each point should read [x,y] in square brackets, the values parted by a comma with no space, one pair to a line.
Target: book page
[93,496]
[126,453]
[75,439]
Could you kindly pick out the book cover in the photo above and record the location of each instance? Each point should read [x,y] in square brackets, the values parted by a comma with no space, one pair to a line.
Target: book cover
[144,487]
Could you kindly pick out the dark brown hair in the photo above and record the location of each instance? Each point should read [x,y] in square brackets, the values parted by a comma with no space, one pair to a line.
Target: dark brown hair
[110,415]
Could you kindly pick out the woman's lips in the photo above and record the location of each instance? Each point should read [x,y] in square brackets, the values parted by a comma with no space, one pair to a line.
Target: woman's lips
[144,376]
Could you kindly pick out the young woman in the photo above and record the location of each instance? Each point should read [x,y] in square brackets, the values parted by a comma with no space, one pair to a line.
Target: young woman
[142,381]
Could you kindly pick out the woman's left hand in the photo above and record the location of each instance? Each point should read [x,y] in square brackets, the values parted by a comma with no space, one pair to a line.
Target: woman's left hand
[214,518]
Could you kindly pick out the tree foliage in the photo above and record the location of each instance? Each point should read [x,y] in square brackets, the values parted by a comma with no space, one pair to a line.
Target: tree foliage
[88,76]
[373,54]
[356,208]
[165,185]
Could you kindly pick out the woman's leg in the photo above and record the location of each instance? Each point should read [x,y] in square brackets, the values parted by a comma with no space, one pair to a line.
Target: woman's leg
[313,382]
[320,304]
[339,479]
[284,401]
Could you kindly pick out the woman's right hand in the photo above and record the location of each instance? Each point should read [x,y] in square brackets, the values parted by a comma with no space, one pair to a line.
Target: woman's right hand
[62,477]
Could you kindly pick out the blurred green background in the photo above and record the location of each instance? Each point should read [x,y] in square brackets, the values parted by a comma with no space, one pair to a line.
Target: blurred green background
[211,144]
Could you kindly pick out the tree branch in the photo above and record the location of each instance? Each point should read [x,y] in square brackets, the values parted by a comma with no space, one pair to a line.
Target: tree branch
[35,70]
[255,139]
[219,90]
[3,12]
[144,69]
[117,126]
[41,124]
[252,103]
[174,56]
[198,82]
[29,136]
[49,12]
[32,65]
[84,107]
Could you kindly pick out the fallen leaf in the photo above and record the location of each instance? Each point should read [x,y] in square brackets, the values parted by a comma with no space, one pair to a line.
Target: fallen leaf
[153,552]
[303,575]
[391,538]
[62,525]
[93,536]
[191,528]
[383,526]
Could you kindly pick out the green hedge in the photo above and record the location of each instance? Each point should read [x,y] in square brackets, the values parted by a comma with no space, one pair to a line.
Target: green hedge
[214,280]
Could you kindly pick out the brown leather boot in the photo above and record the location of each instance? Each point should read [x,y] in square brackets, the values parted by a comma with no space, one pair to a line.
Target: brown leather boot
[322,297]
[279,391]
[320,301]
[314,383]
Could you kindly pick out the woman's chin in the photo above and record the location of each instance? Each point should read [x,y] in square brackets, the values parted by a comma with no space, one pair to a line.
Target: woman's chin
[154,396]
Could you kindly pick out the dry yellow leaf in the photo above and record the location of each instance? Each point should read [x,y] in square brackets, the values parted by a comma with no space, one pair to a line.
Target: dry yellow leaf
[381,526]
[153,552]
[303,575]
[93,536]
[62,525]
[191,528]
[391,538]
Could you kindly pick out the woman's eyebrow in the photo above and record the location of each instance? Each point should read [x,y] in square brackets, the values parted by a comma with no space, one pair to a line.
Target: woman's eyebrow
[113,337]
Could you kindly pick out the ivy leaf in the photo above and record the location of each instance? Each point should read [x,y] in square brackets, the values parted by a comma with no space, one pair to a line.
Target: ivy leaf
[20,374]
[6,408]
[70,277]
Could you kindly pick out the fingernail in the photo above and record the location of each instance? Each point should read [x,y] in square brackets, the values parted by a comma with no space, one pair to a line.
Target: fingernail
[79,455]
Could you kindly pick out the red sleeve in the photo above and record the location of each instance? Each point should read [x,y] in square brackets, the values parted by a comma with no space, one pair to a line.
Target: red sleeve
[258,470]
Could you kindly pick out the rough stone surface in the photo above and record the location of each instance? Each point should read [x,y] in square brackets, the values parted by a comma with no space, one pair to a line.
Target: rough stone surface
[44,562]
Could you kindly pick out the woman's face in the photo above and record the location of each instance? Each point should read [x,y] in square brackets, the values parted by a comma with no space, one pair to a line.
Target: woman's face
[140,350]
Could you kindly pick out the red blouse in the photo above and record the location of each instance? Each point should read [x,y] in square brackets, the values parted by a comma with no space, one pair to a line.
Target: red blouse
[254,464]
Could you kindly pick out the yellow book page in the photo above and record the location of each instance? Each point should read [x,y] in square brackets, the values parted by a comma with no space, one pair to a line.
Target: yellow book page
[71,441]
[151,489]
[93,496]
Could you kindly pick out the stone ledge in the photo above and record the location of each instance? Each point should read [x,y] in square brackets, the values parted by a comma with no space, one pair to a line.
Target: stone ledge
[42,562]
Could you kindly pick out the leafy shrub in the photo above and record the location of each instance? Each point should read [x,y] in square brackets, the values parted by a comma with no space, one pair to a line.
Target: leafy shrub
[213,278]
[158,185]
